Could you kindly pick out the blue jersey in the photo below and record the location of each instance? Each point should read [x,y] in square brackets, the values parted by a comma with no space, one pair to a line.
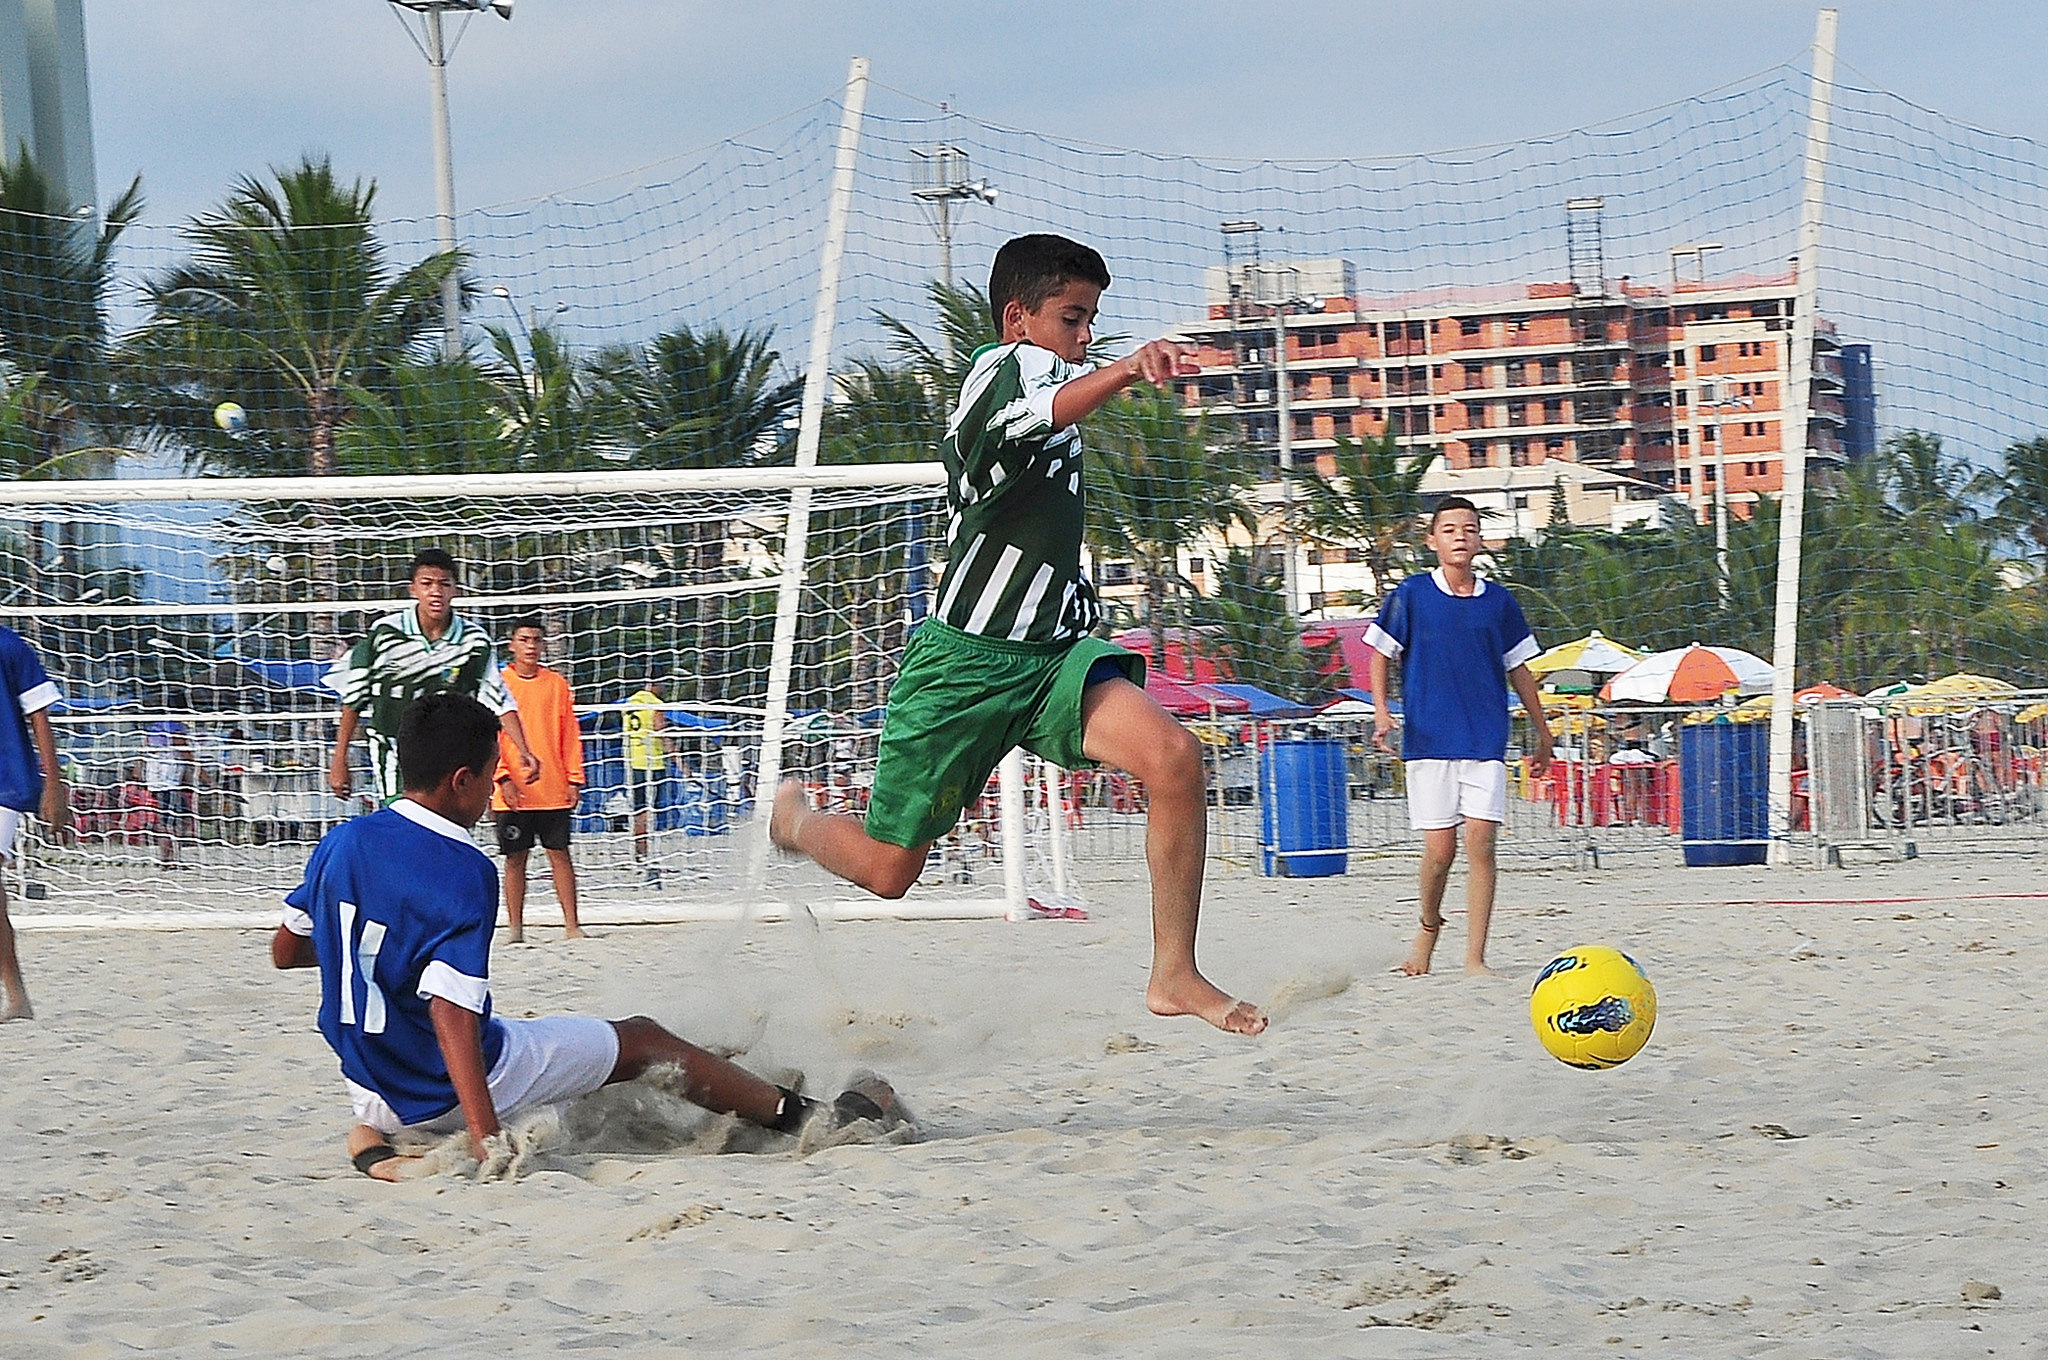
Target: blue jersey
[1455,653]
[28,690]
[400,906]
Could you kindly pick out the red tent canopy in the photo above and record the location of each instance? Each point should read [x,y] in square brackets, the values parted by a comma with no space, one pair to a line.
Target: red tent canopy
[1184,700]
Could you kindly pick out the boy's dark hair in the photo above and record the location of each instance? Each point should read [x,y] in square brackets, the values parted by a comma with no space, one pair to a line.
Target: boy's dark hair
[430,557]
[1450,503]
[441,733]
[1030,269]
[533,621]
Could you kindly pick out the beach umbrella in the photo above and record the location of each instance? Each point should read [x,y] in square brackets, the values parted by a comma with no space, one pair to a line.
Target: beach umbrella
[1804,698]
[1964,685]
[1691,675]
[1956,693]
[1593,652]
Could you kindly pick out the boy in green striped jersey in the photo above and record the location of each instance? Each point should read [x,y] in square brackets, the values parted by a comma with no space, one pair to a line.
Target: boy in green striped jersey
[419,650]
[1007,658]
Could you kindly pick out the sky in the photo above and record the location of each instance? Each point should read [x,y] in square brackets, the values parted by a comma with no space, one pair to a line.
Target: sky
[193,93]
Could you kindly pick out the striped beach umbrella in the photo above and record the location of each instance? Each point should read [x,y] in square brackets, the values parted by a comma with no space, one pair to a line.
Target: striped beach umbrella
[1593,653]
[1691,675]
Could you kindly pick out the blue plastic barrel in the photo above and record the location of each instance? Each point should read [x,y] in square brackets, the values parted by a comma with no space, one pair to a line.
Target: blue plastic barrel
[1724,779]
[1302,805]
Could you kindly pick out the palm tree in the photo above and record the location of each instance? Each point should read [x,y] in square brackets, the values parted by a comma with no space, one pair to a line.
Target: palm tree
[550,403]
[965,325]
[1158,480]
[286,307]
[1373,503]
[690,400]
[2020,489]
[55,277]
[1253,632]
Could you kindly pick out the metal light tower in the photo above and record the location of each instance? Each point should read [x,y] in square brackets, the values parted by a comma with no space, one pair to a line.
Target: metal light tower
[940,178]
[437,52]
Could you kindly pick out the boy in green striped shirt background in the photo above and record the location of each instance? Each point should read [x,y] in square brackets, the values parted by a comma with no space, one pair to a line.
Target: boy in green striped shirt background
[422,649]
[1007,658]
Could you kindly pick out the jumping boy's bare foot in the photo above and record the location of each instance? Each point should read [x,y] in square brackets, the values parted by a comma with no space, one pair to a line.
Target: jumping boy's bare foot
[1417,962]
[14,1004]
[792,805]
[1195,995]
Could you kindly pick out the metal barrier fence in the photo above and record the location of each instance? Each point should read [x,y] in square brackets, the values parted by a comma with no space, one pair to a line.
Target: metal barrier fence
[192,810]
[1911,774]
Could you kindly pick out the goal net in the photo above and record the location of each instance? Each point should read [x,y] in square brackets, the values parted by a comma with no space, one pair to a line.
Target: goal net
[1620,341]
[193,627]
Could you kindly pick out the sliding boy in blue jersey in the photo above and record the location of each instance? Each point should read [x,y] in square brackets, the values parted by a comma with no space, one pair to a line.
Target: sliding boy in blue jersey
[1461,641]
[397,911]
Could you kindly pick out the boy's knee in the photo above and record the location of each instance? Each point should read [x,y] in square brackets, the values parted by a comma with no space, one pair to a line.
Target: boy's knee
[1177,760]
[896,877]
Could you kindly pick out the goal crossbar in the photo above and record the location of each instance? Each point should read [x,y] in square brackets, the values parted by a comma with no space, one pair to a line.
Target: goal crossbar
[492,486]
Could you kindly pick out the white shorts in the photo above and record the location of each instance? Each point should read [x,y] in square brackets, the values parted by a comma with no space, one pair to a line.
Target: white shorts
[10,827]
[1444,793]
[544,1062]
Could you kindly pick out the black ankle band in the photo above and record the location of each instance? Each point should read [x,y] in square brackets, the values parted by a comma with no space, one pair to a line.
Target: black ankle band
[373,1154]
[793,1113]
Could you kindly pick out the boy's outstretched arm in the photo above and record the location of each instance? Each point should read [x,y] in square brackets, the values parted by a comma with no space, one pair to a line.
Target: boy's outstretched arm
[462,1049]
[1081,398]
[1524,681]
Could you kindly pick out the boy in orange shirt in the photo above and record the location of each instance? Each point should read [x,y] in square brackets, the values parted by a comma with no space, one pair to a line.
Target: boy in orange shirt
[540,811]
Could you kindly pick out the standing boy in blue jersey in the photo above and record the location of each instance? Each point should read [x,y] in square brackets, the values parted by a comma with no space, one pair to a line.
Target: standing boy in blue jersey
[397,911]
[1006,658]
[1461,641]
[31,780]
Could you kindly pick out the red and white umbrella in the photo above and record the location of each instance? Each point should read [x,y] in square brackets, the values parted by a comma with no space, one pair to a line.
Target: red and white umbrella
[1691,675]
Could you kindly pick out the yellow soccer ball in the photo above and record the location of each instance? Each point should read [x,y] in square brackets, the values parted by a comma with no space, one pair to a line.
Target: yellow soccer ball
[1593,1007]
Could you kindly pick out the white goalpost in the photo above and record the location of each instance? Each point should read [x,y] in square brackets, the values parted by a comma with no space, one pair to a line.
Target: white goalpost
[191,623]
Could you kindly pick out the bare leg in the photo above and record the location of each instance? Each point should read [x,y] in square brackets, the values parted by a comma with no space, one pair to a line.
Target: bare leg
[711,1081]
[840,844]
[515,896]
[1439,849]
[1122,726]
[13,995]
[564,874]
[1480,874]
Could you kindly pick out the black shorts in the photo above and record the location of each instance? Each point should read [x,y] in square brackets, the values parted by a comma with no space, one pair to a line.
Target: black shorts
[644,786]
[517,831]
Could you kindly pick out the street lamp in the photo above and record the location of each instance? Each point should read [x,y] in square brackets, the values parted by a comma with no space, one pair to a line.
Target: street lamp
[437,53]
[1711,399]
[1282,308]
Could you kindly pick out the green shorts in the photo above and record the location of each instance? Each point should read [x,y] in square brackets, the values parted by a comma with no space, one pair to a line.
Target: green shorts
[960,702]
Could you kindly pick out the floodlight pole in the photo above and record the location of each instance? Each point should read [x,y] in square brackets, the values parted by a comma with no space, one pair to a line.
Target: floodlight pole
[444,182]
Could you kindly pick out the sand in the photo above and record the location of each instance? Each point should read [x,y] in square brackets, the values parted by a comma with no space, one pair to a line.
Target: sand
[1834,1145]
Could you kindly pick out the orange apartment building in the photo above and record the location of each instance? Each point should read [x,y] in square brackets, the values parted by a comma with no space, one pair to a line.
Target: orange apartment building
[1636,397]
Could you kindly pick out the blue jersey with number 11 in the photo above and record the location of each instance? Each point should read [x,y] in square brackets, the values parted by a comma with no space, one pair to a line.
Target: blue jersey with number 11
[400,906]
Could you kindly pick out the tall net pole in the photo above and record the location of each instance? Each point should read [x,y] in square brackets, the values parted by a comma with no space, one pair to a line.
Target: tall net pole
[1798,414]
[817,382]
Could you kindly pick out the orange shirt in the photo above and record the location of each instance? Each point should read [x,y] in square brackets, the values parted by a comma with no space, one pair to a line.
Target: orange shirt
[548,713]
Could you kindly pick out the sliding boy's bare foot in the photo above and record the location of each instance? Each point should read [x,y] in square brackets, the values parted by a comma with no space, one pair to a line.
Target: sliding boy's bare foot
[792,805]
[1424,948]
[1193,994]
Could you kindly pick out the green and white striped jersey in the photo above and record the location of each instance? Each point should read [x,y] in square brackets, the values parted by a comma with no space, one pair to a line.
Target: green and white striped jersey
[395,663]
[1013,545]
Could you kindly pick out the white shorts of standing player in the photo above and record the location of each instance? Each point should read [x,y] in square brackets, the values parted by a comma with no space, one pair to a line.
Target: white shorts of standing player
[1446,793]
